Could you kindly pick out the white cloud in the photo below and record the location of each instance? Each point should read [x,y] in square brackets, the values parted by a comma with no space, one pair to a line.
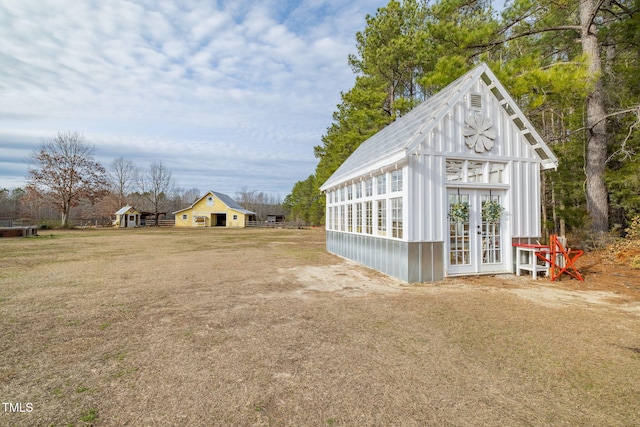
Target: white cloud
[242,86]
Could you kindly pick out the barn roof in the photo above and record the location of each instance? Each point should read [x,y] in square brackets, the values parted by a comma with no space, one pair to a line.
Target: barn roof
[232,203]
[224,199]
[402,137]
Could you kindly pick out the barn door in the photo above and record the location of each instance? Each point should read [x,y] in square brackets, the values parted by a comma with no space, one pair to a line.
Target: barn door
[476,231]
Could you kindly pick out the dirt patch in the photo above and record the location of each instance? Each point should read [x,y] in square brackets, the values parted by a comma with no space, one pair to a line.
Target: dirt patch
[558,293]
[347,279]
[351,279]
[263,327]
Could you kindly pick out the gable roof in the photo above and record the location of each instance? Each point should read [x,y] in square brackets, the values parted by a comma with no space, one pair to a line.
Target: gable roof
[125,210]
[232,204]
[402,137]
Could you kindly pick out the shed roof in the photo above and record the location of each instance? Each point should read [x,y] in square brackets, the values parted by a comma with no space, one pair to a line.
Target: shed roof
[224,199]
[402,137]
[125,210]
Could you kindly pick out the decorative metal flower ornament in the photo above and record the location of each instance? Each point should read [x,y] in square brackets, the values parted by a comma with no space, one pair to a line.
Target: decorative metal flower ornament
[479,133]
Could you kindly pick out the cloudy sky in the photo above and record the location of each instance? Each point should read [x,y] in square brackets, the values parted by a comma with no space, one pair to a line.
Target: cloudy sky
[227,94]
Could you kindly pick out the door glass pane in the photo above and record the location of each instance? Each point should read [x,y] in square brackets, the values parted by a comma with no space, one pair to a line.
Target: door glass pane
[491,229]
[459,249]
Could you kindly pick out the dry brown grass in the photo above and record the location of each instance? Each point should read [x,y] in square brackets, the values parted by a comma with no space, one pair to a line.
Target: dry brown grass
[263,327]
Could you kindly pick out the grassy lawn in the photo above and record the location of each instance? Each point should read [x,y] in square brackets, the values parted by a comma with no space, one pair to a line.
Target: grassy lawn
[263,327]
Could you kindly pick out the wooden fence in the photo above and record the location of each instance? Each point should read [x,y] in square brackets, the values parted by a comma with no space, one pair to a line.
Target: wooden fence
[267,224]
[161,223]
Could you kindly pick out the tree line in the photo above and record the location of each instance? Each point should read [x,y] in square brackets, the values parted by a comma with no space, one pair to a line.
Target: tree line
[64,179]
[573,67]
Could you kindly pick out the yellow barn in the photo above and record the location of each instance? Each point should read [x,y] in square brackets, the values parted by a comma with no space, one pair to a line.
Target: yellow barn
[214,210]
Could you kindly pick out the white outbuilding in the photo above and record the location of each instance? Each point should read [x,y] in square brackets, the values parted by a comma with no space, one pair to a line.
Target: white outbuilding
[444,190]
[127,217]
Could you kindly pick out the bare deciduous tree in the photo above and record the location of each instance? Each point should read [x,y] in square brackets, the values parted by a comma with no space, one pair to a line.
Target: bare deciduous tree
[122,179]
[155,185]
[261,203]
[64,173]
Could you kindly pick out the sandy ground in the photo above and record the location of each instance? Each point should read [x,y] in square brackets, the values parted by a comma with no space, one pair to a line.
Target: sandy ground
[216,327]
[349,279]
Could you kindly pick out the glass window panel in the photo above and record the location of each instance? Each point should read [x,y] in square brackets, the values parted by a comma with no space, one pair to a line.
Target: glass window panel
[382,184]
[382,217]
[491,232]
[496,173]
[543,155]
[396,180]
[396,217]
[368,217]
[459,249]
[369,187]
[455,170]
[475,172]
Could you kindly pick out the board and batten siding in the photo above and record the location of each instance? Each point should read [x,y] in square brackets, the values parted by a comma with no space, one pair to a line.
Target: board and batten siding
[447,138]
[428,219]
[427,184]
[525,199]
[429,144]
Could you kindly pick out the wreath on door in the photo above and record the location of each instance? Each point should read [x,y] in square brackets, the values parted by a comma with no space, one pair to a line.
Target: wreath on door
[491,211]
[459,212]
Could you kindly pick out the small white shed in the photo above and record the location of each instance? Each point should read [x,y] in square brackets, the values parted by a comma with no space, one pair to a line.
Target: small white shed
[127,217]
[444,190]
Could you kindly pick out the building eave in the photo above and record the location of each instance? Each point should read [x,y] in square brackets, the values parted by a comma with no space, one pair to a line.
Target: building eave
[397,159]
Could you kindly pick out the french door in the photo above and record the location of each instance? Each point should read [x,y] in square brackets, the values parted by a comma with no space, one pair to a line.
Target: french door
[476,242]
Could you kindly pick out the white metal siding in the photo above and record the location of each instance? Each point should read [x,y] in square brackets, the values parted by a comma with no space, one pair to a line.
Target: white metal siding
[425,138]
[427,186]
[426,204]
[525,199]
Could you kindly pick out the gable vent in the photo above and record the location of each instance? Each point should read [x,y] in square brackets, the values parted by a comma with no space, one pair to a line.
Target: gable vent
[476,101]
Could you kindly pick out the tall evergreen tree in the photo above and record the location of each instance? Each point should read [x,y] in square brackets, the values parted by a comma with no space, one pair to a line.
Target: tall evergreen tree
[551,27]
[583,97]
